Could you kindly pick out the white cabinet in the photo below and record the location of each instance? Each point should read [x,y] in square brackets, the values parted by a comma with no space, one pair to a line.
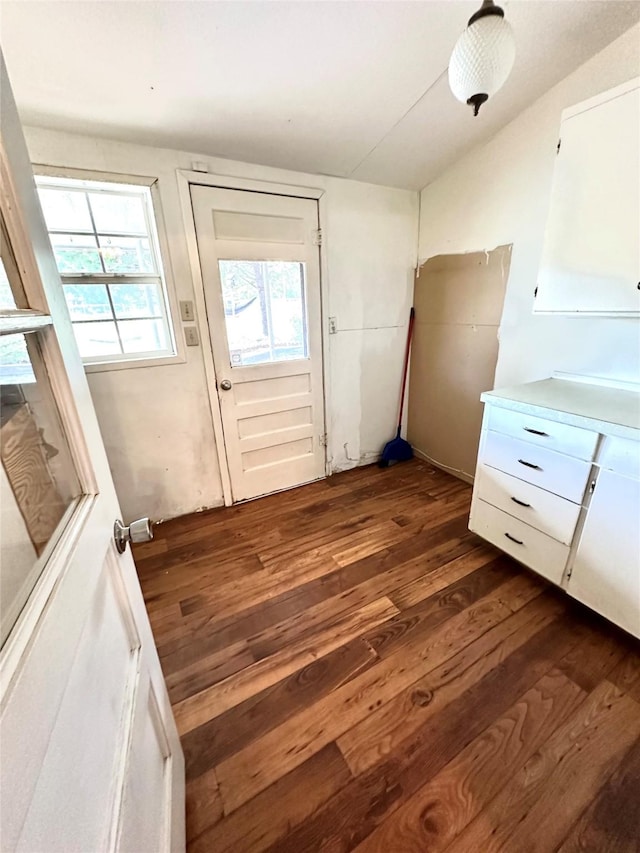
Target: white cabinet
[559,490]
[591,257]
[606,570]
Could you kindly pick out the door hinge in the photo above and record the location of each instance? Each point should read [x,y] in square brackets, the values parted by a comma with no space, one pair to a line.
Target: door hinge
[323,439]
[558,146]
[317,237]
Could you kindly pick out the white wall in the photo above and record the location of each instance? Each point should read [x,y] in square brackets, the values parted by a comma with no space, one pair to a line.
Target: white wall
[499,193]
[156,421]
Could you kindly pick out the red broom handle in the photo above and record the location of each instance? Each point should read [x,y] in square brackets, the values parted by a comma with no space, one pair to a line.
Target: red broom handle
[412,317]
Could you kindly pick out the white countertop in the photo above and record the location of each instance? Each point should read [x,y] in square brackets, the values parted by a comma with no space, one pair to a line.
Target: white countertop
[611,411]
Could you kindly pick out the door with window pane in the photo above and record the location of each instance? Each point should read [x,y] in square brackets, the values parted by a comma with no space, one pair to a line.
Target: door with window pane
[261,271]
[91,758]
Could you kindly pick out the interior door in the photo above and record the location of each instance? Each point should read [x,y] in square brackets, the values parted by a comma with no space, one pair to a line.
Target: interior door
[261,270]
[91,760]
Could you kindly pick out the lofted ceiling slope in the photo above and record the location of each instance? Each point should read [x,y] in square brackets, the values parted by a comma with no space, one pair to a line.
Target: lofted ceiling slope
[334,88]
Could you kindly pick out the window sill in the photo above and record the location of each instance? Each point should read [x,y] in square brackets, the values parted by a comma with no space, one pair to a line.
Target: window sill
[133,363]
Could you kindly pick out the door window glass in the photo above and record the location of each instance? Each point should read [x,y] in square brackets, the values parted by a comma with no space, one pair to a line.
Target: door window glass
[264,311]
[38,480]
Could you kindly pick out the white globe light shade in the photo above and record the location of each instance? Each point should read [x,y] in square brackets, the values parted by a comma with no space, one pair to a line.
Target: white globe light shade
[482,58]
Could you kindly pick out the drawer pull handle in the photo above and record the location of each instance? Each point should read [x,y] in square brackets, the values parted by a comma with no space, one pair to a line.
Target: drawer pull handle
[513,539]
[536,431]
[530,465]
[520,503]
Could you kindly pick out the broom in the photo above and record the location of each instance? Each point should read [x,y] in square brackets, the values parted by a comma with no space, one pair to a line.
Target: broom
[399,450]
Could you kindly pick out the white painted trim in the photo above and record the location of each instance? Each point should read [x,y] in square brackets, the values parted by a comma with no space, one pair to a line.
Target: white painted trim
[185,178]
[23,320]
[323,219]
[455,472]
[91,175]
[133,363]
[605,382]
[203,329]
[235,183]
[159,235]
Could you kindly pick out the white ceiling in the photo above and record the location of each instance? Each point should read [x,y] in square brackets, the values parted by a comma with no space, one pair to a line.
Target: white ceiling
[322,87]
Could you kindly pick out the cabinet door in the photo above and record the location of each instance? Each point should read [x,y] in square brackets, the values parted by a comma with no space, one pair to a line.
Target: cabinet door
[606,572]
[591,257]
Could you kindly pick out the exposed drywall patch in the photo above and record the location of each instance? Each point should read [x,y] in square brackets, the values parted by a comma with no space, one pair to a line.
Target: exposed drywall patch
[458,301]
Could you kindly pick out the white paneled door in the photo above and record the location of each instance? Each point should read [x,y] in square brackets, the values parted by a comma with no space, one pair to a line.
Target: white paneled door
[260,265]
[90,757]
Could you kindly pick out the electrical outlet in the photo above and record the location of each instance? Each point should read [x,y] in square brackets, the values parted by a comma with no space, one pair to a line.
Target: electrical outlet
[186,312]
[191,336]
[333,325]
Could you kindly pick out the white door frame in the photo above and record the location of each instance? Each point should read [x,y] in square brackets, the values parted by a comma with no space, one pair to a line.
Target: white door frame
[187,177]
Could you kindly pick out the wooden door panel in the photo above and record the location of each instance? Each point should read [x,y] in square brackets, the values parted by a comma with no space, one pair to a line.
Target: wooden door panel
[260,269]
[80,655]
[145,823]
[95,671]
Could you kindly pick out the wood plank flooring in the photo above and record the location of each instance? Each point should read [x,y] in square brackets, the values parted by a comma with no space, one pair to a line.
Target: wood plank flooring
[351,669]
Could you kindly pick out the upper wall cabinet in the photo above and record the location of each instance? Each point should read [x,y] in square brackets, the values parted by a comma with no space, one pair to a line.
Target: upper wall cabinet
[591,259]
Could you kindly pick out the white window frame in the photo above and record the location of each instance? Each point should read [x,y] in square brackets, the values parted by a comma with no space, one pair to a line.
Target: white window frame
[155,222]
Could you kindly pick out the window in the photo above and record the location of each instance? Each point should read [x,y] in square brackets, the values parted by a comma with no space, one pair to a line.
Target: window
[264,311]
[105,244]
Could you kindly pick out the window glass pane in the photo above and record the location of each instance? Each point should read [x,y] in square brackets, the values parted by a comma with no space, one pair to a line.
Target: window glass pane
[87,301]
[65,210]
[7,299]
[264,310]
[97,265]
[127,255]
[97,339]
[12,294]
[15,365]
[143,335]
[136,300]
[76,253]
[38,481]
[119,213]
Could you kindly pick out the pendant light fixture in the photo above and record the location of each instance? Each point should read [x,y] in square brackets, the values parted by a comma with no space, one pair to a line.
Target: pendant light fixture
[483,56]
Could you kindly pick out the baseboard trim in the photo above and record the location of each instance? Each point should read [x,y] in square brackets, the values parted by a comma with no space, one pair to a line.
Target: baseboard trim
[461,475]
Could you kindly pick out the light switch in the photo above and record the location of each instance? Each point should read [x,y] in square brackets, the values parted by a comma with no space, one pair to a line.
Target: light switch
[191,336]
[186,312]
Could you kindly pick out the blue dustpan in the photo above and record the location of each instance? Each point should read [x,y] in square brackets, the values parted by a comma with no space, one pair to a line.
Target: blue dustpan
[399,450]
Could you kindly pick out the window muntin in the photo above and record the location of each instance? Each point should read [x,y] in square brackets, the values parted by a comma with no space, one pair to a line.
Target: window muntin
[105,244]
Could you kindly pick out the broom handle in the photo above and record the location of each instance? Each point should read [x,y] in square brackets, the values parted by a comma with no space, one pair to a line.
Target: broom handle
[412,317]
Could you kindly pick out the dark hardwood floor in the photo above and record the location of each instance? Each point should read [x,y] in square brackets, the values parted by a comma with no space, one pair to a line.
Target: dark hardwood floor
[350,668]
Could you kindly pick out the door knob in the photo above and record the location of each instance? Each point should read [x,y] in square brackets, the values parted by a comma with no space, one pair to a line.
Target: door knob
[138,531]
[225,385]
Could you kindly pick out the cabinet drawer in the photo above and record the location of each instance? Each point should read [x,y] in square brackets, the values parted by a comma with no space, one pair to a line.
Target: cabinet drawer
[549,513]
[531,547]
[555,472]
[553,435]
